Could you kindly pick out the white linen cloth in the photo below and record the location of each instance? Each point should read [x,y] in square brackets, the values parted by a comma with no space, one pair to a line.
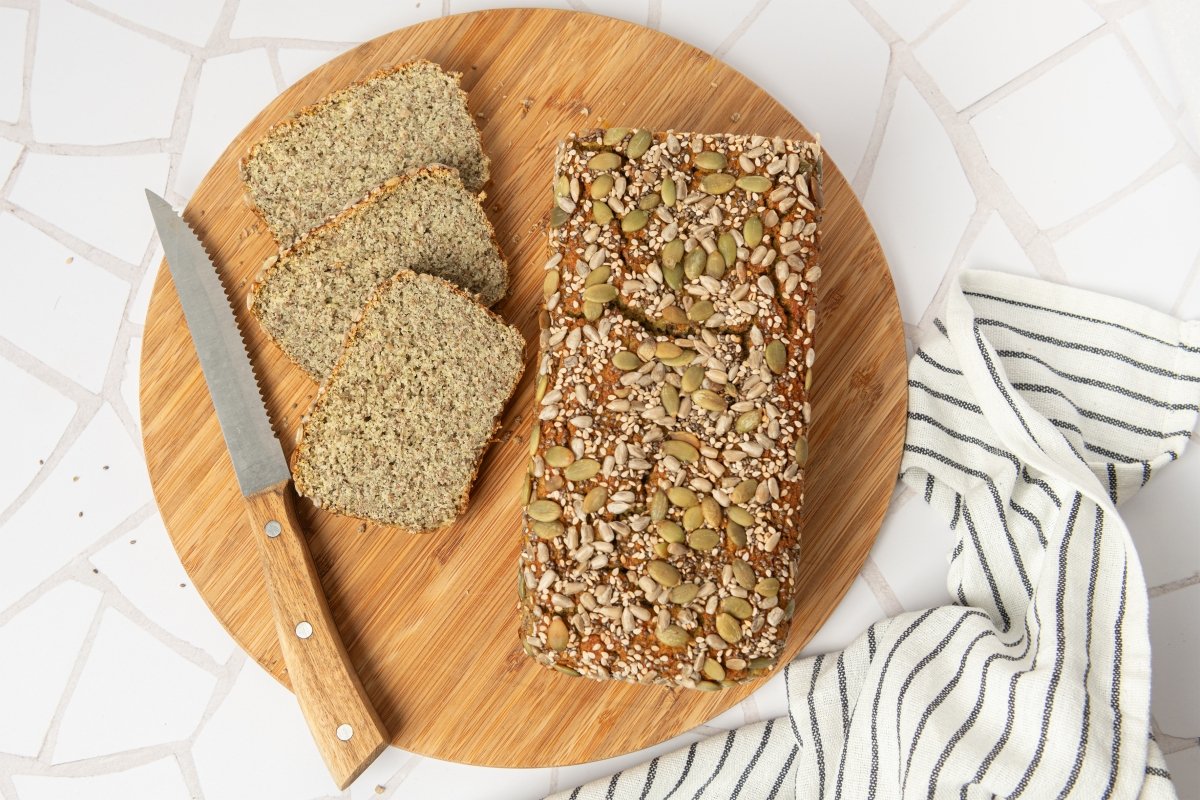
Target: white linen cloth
[1036,411]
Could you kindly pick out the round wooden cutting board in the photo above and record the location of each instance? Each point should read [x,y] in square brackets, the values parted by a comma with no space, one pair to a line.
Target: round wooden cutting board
[430,622]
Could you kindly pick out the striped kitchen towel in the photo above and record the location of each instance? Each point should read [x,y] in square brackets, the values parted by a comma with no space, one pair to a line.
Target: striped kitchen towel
[1036,409]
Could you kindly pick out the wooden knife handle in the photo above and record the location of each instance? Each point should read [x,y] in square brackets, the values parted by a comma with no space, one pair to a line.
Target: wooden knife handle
[343,722]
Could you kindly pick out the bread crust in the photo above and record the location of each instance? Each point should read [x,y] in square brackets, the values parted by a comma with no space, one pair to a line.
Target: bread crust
[601,612]
[296,458]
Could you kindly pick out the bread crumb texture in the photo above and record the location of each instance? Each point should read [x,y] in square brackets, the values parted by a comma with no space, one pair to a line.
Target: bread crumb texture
[312,165]
[398,433]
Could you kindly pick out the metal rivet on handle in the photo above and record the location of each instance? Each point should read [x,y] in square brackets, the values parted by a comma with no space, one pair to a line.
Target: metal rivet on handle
[274,529]
[304,630]
[344,732]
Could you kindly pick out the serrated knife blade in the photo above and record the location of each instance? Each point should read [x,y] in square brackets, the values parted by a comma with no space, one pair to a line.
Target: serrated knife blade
[347,730]
[258,459]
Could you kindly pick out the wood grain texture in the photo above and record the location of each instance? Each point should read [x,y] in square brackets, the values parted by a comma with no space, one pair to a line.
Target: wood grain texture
[430,622]
[345,726]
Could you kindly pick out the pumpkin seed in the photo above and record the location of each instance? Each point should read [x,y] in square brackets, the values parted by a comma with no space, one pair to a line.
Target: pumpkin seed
[711,160]
[682,360]
[693,518]
[601,187]
[709,400]
[565,670]
[717,183]
[650,202]
[597,276]
[693,263]
[668,192]
[634,221]
[692,378]
[600,293]
[674,636]
[602,213]
[672,252]
[743,573]
[754,183]
[670,531]
[626,361]
[673,315]
[558,217]
[658,506]
[595,499]
[682,496]
[582,470]
[790,609]
[559,456]
[727,246]
[660,549]
[670,399]
[729,628]
[681,450]
[535,437]
[801,451]
[714,265]
[744,490]
[604,160]
[703,539]
[664,574]
[713,669]
[808,380]
[562,186]
[712,511]
[521,592]
[767,587]
[701,311]
[673,275]
[665,350]
[736,533]
[548,530]
[748,421]
[708,686]
[544,510]
[776,356]
[592,310]
[684,593]
[557,634]
[740,515]
[639,143]
[614,136]
[762,662]
[752,231]
[738,607]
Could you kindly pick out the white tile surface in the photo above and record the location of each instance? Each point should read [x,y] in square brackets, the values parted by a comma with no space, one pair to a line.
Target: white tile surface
[465,6]
[785,58]
[133,692]
[1189,303]
[136,312]
[1139,27]
[232,90]
[45,297]
[635,11]
[130,380]
[295,63]
[911,553]
[354,21]
[995,247]
[1048,138]
[48,531]
[919,200]
[149,574]
[433,778]
[1153,225]
[1185,773]
[191,21]
[1162,519]
[380,773]
[990,42]
[911,19]
[1175,648]
[13,26]
[41,645]
[158,780]
[10,151]
[25,398]
[261,717]
[106,205]
[80,58]
[577,774]
[857,612]
[698,22]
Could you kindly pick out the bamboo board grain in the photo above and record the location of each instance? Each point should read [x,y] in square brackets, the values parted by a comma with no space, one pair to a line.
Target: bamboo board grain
[430,622]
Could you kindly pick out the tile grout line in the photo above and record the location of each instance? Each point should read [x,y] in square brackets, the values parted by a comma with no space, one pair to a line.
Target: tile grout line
[114,265]
[1173,586]
[740,29]
[136,27]
[654,15]
[883,115]
[884,595]
[50,740]
[932,28]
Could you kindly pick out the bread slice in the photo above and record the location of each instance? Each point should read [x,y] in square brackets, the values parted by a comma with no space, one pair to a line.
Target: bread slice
[397,434]
[425,221]
[328,155]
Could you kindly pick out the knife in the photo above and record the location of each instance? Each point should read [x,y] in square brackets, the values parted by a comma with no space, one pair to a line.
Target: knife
[346,727]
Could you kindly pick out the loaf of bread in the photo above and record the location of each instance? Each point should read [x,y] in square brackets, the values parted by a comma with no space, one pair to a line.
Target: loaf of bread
[662,518]
[328,155]
[424,220]
[397,434]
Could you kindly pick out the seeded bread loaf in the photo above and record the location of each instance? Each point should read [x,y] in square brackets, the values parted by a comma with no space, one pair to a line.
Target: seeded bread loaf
[328,155]
[425,221]
[397,434]
[662,522]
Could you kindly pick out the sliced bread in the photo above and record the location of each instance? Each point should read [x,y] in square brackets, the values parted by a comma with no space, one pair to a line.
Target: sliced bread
[425,221]
[328,155]
[398,432]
